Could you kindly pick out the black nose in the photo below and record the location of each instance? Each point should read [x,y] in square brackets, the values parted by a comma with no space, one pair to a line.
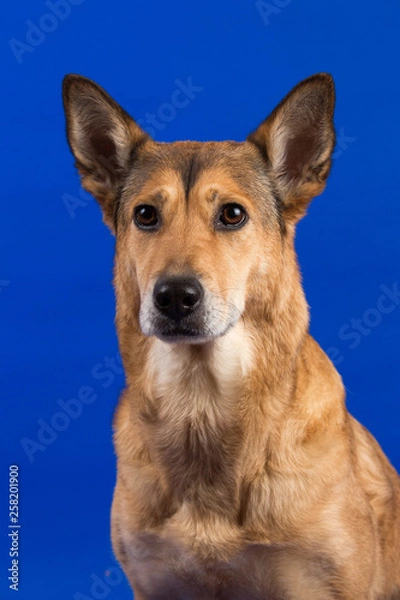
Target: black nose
[177,297]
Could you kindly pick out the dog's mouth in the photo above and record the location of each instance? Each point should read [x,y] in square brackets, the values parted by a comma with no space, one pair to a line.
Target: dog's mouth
[180,310]
[185,333]
[182,334]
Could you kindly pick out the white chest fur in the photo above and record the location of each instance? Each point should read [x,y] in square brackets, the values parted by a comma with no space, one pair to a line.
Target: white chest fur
[196,380]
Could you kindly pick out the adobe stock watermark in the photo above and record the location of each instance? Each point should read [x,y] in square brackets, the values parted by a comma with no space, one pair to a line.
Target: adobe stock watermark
[72,203]
[342,143]
[152,122]
[353,332]
[268,9]
[106,371]
[37,32]
[183,94]
[3,284]
[102,586]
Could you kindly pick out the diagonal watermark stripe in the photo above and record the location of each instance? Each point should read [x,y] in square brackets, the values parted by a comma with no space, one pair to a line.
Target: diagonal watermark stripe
[37,31]
[3,284]
[268,9]
[356,329]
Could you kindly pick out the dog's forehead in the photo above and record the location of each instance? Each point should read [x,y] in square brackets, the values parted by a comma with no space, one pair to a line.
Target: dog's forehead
[186,163]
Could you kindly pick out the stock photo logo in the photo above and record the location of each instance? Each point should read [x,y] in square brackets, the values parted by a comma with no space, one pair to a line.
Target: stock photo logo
[342,143]
[183,94]
[72,203]
[38,30]
[268,9]
[353,332]
[101,587]
[108,370]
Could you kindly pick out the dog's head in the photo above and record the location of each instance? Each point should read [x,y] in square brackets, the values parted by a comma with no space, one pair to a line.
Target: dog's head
[199,224]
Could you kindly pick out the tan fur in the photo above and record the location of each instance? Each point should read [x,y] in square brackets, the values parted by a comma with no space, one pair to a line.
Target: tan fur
[241,475]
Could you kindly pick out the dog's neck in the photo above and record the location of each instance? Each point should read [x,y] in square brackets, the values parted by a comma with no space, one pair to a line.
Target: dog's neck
[209,415]
[199,396]
[195,379]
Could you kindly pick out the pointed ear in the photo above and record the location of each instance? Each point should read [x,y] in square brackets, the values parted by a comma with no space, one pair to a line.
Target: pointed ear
[102,137]
[297,140]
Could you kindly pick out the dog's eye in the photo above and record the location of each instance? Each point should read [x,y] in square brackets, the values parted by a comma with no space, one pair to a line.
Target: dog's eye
[146,216]
[232,215]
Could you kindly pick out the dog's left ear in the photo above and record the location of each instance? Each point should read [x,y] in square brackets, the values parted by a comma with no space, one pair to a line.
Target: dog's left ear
[102,137]
[297,140]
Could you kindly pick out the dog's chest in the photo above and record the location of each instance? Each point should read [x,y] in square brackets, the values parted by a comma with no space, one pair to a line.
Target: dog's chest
[197,446]
[165,569]
[194,425]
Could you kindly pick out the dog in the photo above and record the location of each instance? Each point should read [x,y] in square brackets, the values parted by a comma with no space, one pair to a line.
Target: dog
[241,475]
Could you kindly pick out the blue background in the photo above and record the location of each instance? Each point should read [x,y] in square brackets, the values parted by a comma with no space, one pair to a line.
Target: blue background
[56,299]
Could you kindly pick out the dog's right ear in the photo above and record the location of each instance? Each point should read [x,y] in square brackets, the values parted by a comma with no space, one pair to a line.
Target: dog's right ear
[102,137]
[297,140]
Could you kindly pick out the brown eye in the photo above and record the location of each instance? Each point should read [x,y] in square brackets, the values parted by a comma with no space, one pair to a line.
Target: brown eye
[232,215]
[146,216]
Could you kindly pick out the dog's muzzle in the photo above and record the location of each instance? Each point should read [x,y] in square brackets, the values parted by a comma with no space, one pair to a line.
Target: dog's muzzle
[177,298]
[180,309]
[178,303]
